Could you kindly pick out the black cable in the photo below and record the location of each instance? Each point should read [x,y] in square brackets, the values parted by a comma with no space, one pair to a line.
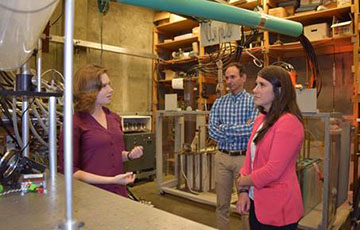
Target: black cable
[131,195]
[312,58]
[25,146]
[101,38]
[57,19]
[26,109]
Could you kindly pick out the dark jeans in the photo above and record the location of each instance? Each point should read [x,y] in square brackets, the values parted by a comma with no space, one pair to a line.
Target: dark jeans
[256,225]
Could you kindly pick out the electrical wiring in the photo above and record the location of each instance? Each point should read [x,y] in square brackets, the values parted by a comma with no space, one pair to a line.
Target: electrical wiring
[40,104]
[186,179]
[14,121]
[57,19]
[313,78]
[52,81]
[53,70]
[36,135]
[226,53]
[8,116]
[101,35]
[37,115]
[27,109]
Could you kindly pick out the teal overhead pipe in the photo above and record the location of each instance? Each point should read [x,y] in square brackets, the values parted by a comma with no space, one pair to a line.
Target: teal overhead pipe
[223,13]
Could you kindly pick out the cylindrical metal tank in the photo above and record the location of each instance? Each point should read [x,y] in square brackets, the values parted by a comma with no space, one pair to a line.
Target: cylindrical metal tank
[190,120]
[21,24]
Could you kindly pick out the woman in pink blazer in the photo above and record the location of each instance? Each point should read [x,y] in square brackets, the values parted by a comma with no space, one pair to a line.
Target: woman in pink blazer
[268,187]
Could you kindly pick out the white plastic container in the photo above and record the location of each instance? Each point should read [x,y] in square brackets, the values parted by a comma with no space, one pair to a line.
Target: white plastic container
[21,24]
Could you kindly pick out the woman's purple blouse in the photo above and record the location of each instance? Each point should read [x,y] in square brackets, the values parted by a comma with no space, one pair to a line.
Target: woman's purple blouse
[97,150]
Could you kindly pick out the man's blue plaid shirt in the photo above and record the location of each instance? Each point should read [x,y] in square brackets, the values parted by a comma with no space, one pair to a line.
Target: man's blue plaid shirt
[231,120]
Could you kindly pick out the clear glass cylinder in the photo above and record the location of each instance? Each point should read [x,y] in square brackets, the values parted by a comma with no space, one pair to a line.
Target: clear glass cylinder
[21,24]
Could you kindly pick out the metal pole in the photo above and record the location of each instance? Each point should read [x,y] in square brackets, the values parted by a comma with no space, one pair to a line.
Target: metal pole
[24,70]
[68,121]
[25,127]
[69,223]
[38,65]
[52,137]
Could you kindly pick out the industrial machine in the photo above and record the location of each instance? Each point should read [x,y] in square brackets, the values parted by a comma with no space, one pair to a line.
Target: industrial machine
[137,131]
[323,169]
[187,168]
[322,166]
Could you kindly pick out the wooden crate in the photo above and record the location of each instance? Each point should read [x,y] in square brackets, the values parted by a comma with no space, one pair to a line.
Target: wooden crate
[278,12]
[316,31]
[341,28]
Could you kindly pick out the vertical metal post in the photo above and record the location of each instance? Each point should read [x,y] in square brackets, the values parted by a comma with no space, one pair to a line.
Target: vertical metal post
[68,141]
[38,65]
[25,69]
[52,137]
[326,197]
[177,150]
[25,127]
[70,223]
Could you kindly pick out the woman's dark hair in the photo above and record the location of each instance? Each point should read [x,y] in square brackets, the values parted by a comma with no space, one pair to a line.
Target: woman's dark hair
[87,84]
[284,98]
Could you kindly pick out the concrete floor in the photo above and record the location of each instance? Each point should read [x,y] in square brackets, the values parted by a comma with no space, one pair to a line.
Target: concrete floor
[200,213]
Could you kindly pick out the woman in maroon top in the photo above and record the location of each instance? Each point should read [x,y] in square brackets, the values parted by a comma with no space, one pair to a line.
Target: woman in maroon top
[98,145]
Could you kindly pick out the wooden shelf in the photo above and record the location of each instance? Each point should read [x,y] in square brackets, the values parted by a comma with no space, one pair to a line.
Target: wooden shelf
[210,80]
[184,61]
[325,46]
[168,82]
[306,18]
[250,5]
[177,27]
[164,81]
[175,45]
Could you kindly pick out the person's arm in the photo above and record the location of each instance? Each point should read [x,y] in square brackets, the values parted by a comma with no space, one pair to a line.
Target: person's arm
[215,132]
[286,145]
[242,130]
[244,181]
[91,178]
[135,153]
[243,203]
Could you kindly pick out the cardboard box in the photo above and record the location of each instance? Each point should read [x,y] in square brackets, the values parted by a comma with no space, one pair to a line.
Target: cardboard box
[176,18]
[169,74]
[161,17]
[196,31]
[168,40]
[341,28]
[183,36]
[290,10]
[170,102]
[341,3]
[305,3]
[278,12]
[317,31]
[307,100]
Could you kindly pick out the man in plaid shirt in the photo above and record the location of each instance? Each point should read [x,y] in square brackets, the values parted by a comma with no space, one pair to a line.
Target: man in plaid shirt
[231,120]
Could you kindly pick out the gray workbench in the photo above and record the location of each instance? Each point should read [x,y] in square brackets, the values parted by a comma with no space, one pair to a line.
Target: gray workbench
[99,209]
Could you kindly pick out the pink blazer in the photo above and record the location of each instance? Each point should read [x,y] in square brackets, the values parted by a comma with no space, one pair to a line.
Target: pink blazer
[277,195]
